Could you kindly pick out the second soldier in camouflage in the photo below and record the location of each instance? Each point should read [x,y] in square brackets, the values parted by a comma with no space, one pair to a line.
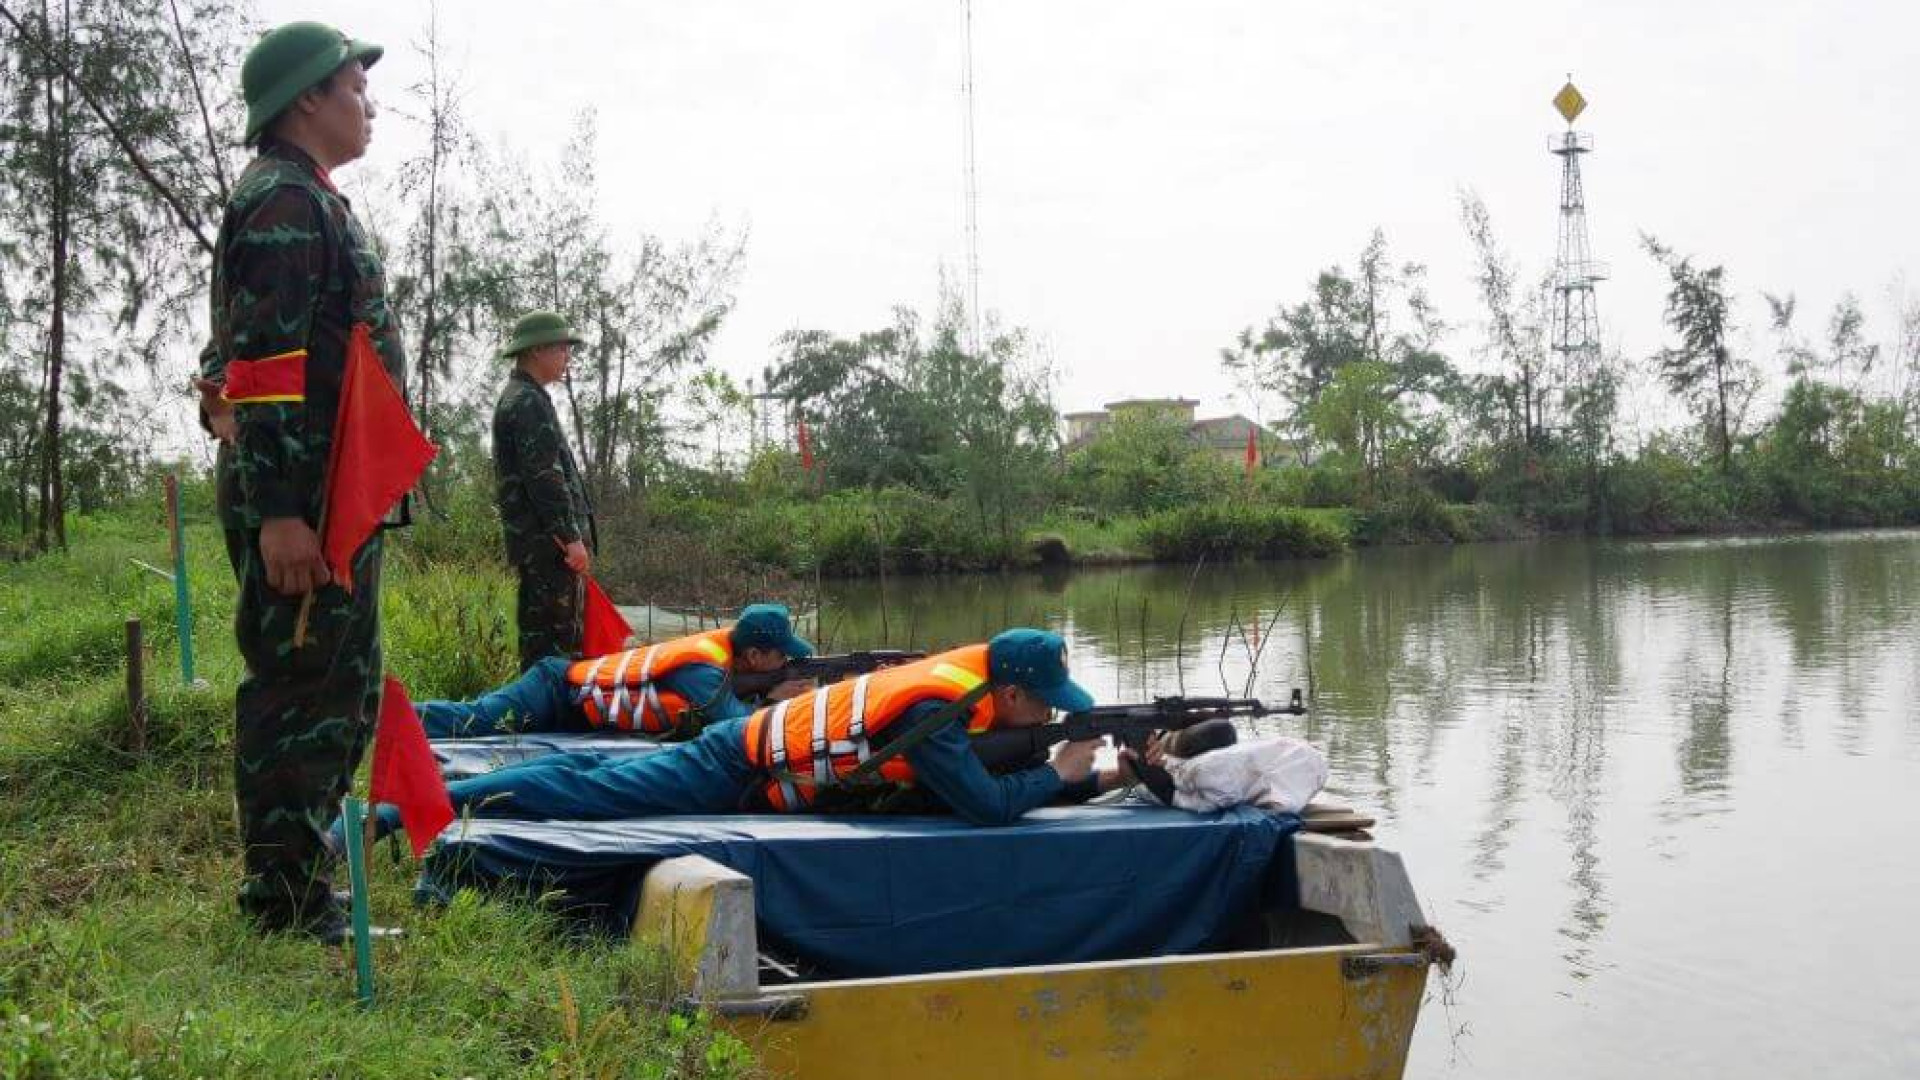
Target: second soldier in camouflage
[544,513]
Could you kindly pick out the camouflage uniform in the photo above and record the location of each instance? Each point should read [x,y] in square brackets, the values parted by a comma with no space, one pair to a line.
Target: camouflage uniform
[293,271]
[541,500]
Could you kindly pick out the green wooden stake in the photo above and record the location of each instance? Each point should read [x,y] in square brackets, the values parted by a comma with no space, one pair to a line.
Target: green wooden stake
[182,601]
[355,813]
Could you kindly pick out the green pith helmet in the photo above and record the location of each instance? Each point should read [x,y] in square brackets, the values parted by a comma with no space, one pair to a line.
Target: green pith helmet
[537,328]
[290,60]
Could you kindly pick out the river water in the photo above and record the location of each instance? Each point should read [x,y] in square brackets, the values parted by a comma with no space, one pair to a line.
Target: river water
[1661,795]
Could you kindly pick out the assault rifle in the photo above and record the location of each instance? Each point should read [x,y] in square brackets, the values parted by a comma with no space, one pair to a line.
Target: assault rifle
[1130,725]
[826,669]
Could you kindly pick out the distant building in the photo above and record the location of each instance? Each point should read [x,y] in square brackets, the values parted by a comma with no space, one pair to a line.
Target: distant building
[1082,426]
[1173,408]
[1225,436]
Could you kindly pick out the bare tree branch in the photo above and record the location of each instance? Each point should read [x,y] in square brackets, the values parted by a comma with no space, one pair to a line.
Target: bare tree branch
[120,137]
[200,98]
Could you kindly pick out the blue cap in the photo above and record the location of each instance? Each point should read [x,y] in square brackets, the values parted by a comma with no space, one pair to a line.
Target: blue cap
[1036,660]
[768,626]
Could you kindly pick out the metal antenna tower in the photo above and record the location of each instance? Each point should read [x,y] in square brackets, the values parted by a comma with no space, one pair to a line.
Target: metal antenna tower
[1576,316]
[971,176]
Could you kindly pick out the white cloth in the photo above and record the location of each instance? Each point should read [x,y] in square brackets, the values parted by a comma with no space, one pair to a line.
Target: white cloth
[1278,773]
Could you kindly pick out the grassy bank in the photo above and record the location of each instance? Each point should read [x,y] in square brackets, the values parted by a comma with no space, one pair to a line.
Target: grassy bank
[121,953]
[715,551]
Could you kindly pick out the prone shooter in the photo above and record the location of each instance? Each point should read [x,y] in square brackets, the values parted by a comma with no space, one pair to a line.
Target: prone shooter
[1178,726]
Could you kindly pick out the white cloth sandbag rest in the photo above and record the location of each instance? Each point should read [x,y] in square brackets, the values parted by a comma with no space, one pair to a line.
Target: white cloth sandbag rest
[1278,773]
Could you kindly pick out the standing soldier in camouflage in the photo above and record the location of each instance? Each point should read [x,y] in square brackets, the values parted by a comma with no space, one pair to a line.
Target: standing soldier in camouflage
[543,506]
[292,273]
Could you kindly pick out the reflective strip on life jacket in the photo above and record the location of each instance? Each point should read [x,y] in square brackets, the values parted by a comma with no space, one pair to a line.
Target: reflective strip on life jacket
[822,765]
[590,686]
[813,742]
[857,727]
[966,681]
[620,713]
[777,729]
[622,690]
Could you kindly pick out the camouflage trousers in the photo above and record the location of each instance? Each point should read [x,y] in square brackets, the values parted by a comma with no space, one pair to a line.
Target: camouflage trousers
[302,721]
[548,610]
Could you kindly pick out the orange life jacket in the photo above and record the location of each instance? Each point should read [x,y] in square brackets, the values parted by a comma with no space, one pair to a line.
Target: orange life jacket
[621,690]
[805,744]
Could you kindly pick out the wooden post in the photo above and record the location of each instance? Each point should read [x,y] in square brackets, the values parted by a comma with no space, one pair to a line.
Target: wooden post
[136,689]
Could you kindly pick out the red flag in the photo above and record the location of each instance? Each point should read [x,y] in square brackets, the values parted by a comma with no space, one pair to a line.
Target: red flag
[378,455]
[806,448]
[405,772]
[604,629]
[1253,449]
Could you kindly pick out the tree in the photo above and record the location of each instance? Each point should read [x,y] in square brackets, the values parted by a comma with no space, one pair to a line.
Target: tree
[910,404]
[102,165]
[1797,357]
[1591,402]
[1002,453]
[1906,356]
[719,406]
[1143,461]
[19,416]
[423,182]
[1702,368]
[1360,416]
[648,309]
[1516,327]
[1381,314]
[1851,357]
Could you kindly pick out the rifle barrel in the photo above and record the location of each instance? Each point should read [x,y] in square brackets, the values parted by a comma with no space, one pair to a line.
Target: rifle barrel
[826,668]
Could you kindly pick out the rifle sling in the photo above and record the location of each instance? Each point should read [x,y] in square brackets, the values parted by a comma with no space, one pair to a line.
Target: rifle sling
[918,733]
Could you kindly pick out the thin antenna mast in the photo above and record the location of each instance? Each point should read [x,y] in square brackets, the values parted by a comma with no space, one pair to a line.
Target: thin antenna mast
[971,175]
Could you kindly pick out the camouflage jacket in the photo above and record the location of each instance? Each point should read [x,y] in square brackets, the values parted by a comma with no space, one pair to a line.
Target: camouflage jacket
[292,272]
[536,483]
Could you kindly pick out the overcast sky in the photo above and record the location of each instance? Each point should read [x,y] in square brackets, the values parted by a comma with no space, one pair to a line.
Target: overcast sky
[1153,177]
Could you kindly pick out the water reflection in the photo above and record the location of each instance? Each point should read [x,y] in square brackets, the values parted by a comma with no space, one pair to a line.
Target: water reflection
[1563,731]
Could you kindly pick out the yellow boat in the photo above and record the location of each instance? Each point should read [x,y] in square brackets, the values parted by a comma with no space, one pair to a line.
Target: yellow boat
[1328,990]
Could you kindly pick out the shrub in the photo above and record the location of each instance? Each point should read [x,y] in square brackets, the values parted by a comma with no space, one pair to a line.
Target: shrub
[449,630]
[1409,512]
[1237,531]
[1146,462]
[853,531]
[1662,491]
[462,526]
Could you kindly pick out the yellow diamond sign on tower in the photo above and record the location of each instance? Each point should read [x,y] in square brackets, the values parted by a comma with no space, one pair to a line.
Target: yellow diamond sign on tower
[1569,101]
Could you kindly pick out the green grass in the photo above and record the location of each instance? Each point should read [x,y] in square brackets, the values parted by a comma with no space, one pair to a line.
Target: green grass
[121,951]
[1244,531]
[1091,538]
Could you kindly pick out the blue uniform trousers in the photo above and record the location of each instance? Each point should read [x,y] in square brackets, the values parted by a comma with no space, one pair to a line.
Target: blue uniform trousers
[538,700]
[709,775]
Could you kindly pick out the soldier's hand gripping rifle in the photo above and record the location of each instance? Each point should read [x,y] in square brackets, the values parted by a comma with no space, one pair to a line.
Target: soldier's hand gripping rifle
[825,669]
[1130,725]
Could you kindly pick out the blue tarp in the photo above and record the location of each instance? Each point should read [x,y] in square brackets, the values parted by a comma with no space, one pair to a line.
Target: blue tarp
[858,896]
[470,757]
